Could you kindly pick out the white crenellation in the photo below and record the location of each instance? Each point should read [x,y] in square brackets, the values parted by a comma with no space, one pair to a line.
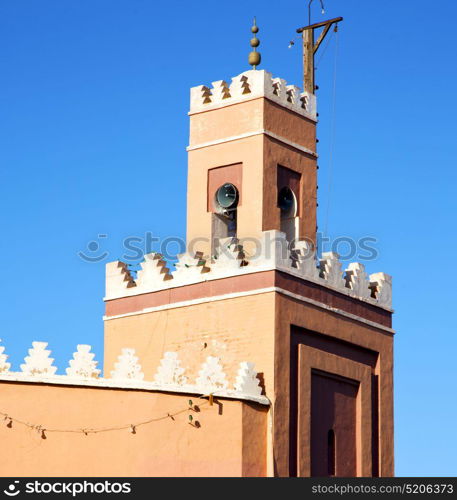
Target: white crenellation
[276,84]
[220,91]
[153,272]
[308,103]
[230,255]
[272,251]
[127,374]
[251,85]
[127,366]
[205,94]
[4,366]
[331,269]
[190,267]
[293,95]
[273,248]
[381,286]
[240,87]
[357,280]
[211,378]
[118,278]
[199,96]
[170,371]
[247,381]
[279,88]
[304,259]
[38,361]
[83,364]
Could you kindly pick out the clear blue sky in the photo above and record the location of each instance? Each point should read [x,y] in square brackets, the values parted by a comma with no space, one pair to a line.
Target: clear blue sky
[93,131]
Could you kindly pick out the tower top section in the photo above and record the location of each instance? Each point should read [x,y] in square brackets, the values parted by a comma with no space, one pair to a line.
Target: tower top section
[250,85]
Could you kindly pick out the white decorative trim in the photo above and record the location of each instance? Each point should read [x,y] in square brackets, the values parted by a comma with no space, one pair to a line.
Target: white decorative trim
[170,371]
[274,253]
[303,260]
[247,381]
[153,271]
[189,265]
[357,279]
[259,291]
[274,249]
[230,257]
[211,378]
[382,285]
[127,375]
[117,278]
[125,384]
[252,134]
[220,91]
[248,86]
[38,361]
[240,87]
[4,366]
[83,365]
[127,367]
[331,269]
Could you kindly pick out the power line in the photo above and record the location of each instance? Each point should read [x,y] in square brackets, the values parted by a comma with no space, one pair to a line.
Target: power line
[332,135]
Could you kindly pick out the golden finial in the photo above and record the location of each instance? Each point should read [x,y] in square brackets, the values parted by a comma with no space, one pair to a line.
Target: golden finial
[254,56]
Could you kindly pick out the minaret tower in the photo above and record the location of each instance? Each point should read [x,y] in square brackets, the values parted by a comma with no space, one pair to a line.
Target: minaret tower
[251,287]
[252,141]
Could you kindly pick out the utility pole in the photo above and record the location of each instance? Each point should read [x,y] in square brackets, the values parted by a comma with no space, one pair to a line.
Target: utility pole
[310,48]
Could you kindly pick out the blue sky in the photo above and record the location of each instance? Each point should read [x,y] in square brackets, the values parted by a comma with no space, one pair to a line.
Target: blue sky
[93,130]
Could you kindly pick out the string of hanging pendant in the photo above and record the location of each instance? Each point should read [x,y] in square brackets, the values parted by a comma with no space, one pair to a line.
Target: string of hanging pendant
[43,430]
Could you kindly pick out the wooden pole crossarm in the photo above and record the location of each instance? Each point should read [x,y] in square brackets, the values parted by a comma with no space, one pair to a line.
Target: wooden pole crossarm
[310,48]
[320,25]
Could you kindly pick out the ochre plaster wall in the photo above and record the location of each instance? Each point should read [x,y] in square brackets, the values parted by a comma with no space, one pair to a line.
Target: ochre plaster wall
[237,329]
[258,328]
[230,439]
[248,152]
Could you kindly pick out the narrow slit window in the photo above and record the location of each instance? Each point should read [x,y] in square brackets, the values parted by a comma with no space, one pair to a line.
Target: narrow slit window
[331,450]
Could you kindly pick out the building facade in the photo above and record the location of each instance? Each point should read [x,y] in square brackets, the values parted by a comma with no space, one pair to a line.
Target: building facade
[254,357]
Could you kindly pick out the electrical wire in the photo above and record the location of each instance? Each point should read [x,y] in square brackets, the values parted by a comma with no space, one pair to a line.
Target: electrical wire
[327,43]
[332,135]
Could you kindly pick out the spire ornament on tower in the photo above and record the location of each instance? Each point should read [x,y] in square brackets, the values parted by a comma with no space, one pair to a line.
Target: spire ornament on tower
[254,56]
